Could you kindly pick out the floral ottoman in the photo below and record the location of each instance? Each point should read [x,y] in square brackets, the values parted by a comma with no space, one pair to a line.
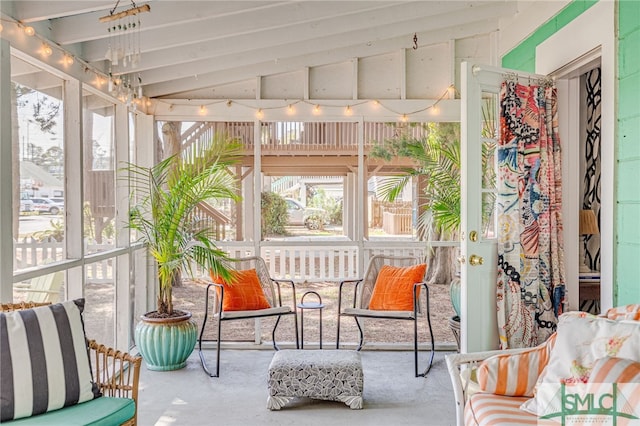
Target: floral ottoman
[334,375]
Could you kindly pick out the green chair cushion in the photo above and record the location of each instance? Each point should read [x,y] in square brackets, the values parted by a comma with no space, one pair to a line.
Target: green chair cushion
[104,411]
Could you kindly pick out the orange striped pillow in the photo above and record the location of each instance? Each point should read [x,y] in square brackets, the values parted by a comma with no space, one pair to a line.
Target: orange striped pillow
[626,312]
[624,372]
[514,374]
[615,370]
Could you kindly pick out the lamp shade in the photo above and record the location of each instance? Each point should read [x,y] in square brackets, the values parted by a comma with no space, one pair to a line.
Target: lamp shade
[588,223]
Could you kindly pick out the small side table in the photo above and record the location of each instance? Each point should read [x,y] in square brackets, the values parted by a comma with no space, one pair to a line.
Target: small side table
[310,305]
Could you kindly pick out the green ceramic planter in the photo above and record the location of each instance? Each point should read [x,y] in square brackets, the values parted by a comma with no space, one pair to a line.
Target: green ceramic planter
[454,294]
[166,343]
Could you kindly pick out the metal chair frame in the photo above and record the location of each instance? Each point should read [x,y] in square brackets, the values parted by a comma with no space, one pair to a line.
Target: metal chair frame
[272,290]
[362,291]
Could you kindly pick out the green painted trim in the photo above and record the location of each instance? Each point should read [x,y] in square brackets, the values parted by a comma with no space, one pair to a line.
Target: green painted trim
[627,244]
[523,56]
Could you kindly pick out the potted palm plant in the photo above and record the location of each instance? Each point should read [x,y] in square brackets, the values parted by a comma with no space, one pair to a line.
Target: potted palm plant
[165,198]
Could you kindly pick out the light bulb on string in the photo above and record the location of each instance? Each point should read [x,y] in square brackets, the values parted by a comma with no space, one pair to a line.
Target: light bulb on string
[259,113]
[46,50]
[203,110]
[451,91]
[29,31]
[404,118]
[316,109]
[290,109]
[348,110]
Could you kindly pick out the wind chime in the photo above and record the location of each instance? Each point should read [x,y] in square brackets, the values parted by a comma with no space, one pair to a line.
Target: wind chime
[124,51]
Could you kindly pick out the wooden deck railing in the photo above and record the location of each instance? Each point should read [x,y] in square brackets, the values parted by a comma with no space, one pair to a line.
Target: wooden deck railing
[291,137]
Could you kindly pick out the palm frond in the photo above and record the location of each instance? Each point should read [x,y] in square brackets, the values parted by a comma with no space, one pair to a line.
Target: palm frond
[164,198]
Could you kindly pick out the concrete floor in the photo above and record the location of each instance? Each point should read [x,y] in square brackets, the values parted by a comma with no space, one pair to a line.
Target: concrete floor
[392,395]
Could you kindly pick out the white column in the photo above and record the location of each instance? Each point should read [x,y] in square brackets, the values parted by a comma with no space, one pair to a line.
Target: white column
[74,184]
[6,173]
[123,262]
[145,272]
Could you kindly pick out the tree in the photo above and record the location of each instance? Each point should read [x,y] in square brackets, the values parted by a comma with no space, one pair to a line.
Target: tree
[439,162]
[45,113]
[438,158]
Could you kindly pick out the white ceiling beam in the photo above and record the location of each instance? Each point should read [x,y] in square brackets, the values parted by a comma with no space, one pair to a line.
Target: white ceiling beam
[34,11]
[38,81]
[310,20]
[201,74]
[163,15]
[277,44]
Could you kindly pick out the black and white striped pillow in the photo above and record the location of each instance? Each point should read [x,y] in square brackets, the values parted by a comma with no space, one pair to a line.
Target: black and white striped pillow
[44,360]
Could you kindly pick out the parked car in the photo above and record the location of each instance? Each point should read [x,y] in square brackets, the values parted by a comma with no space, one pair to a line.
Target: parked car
[26,205]
[46,205]
[311,217]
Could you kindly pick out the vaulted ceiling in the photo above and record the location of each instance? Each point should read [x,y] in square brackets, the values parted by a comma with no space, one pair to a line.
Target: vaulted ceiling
[187,46]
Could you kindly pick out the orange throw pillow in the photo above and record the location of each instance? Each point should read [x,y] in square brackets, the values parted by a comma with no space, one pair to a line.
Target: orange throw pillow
[244,293]
[393,290]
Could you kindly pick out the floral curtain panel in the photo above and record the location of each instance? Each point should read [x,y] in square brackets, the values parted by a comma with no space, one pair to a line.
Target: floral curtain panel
[531,279]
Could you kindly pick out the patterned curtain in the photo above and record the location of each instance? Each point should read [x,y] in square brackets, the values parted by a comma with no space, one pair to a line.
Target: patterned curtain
[591,163]
[531,278]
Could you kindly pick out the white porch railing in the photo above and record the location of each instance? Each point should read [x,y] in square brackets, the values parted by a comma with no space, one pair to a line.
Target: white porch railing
[325,260]
[29,253]
[296,260]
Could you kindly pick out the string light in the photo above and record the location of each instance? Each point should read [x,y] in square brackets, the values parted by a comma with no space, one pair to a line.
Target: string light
[203,109]
[46,50]
[451,91]
[348,110]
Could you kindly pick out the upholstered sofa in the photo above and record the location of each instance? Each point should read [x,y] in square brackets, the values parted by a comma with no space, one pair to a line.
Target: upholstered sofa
[586,355]
[52,375]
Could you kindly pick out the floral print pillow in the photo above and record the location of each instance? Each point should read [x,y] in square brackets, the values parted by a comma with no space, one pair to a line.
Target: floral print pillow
[582,340]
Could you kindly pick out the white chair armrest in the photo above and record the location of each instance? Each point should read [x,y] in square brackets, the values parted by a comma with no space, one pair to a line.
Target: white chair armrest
[456,363]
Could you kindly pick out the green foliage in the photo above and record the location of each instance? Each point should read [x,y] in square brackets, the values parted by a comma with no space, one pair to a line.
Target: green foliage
[56,232]
[274,214]
[334,210]
[163,198]
[332,206]
[438,157]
